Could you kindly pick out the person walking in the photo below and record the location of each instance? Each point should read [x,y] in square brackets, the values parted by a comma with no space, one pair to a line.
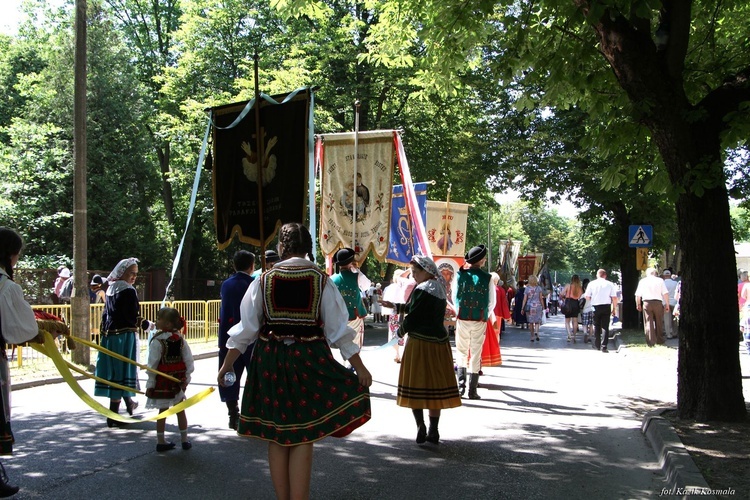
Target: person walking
[426,379]
[347,282]
[120,320]
[671,284]
[533,306]
[475,298]
[603,296]
[652,297]
[571,307]
[169,353]
[296,392]
[232,291]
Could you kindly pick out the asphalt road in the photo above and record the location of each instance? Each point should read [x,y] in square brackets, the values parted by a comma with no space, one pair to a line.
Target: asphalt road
[554,421]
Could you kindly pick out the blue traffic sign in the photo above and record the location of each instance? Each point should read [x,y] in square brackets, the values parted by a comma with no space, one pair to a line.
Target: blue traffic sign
[640,236]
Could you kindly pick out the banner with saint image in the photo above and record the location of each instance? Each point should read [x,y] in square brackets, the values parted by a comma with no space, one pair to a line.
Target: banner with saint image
[355,211]
[446,227]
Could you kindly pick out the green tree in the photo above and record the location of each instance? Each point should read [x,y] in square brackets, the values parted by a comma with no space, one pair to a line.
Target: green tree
[680,68]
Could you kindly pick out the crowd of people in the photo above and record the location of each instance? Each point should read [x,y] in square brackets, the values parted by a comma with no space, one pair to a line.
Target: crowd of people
[278,325]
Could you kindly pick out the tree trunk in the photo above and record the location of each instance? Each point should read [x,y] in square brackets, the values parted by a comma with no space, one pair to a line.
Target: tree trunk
[709,378]
[630,277]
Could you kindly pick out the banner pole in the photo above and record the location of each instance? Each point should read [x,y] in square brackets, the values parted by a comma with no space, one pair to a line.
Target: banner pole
[260,162]
[445,222]
[354,182]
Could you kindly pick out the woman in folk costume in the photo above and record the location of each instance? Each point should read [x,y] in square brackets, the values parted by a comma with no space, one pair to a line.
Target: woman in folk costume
[296,392]
[17,325]
[426,379]
[491,355]
[119,334]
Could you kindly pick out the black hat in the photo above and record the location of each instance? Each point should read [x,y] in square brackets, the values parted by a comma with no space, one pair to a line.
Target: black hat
[344,256]
[476,254]
[272,256]
[97,280]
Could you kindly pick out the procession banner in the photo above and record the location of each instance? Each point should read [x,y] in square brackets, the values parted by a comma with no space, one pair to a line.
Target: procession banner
[448,268]
[403,241]
[529,264]
[509,260]
[446,227]
[362,206]
[284,167]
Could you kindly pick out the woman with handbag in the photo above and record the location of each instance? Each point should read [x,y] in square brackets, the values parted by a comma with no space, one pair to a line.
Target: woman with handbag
[533,306]
[571,307]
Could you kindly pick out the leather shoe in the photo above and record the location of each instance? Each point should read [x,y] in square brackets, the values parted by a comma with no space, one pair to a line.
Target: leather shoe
[604,349]
[165,446]
[186,445]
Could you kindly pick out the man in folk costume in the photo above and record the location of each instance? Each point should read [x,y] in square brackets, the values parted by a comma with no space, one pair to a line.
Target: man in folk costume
[347,281]
[475,298]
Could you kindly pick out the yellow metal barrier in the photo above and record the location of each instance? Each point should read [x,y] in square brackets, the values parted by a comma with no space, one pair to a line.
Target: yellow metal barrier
[201,318]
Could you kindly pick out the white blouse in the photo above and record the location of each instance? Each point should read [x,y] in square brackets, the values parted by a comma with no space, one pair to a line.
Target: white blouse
[333,313]
[18,321]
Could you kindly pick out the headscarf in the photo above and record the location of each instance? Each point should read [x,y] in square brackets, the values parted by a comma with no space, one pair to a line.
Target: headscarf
[120,269]
[426,263]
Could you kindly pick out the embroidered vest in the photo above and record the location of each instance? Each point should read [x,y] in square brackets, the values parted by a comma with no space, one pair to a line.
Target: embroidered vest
[473,294]
[171,363]
[291,303]
[346,282]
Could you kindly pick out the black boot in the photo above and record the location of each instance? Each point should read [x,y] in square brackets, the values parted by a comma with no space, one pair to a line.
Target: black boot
[461,381]
[234,414]
[432,435]
[421,429]
[114,406]
[130,405]
[6,489]
[473,382]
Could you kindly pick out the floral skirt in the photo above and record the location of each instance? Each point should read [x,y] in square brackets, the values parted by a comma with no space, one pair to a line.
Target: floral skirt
[298,393]
[427,379]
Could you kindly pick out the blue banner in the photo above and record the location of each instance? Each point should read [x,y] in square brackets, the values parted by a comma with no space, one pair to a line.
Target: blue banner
[403,245]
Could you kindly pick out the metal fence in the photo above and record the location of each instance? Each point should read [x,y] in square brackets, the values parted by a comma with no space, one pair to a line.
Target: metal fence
[201,318]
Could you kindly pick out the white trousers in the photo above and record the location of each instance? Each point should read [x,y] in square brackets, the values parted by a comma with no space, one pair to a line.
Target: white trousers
[469,341]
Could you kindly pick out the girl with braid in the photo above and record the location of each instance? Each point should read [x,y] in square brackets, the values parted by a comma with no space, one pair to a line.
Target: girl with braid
[296,392]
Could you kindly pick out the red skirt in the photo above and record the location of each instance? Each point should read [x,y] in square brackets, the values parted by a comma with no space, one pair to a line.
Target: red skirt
[491,348]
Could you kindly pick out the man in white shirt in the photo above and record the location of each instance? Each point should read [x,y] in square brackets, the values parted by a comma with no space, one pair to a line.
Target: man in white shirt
[603,296]
[652,297]
[671,288]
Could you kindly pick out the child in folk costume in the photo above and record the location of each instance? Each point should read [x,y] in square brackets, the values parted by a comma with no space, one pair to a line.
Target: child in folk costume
[168,352]
[426,378]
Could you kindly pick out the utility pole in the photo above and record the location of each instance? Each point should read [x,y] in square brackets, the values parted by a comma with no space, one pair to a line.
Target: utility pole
[79,300]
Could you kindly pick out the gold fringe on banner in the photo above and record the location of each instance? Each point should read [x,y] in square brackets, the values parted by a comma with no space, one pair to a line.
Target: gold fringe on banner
[49,349]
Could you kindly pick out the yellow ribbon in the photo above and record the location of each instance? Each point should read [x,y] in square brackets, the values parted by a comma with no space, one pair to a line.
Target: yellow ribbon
[123,358]
[49,349]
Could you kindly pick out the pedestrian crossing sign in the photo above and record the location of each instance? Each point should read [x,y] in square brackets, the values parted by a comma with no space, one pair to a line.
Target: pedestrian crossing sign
[640,236]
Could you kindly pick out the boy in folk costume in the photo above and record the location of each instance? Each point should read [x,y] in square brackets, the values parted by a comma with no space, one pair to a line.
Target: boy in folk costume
[475,298]
[346,280]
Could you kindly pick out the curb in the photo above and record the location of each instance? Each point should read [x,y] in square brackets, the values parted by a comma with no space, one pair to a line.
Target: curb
[683,477]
